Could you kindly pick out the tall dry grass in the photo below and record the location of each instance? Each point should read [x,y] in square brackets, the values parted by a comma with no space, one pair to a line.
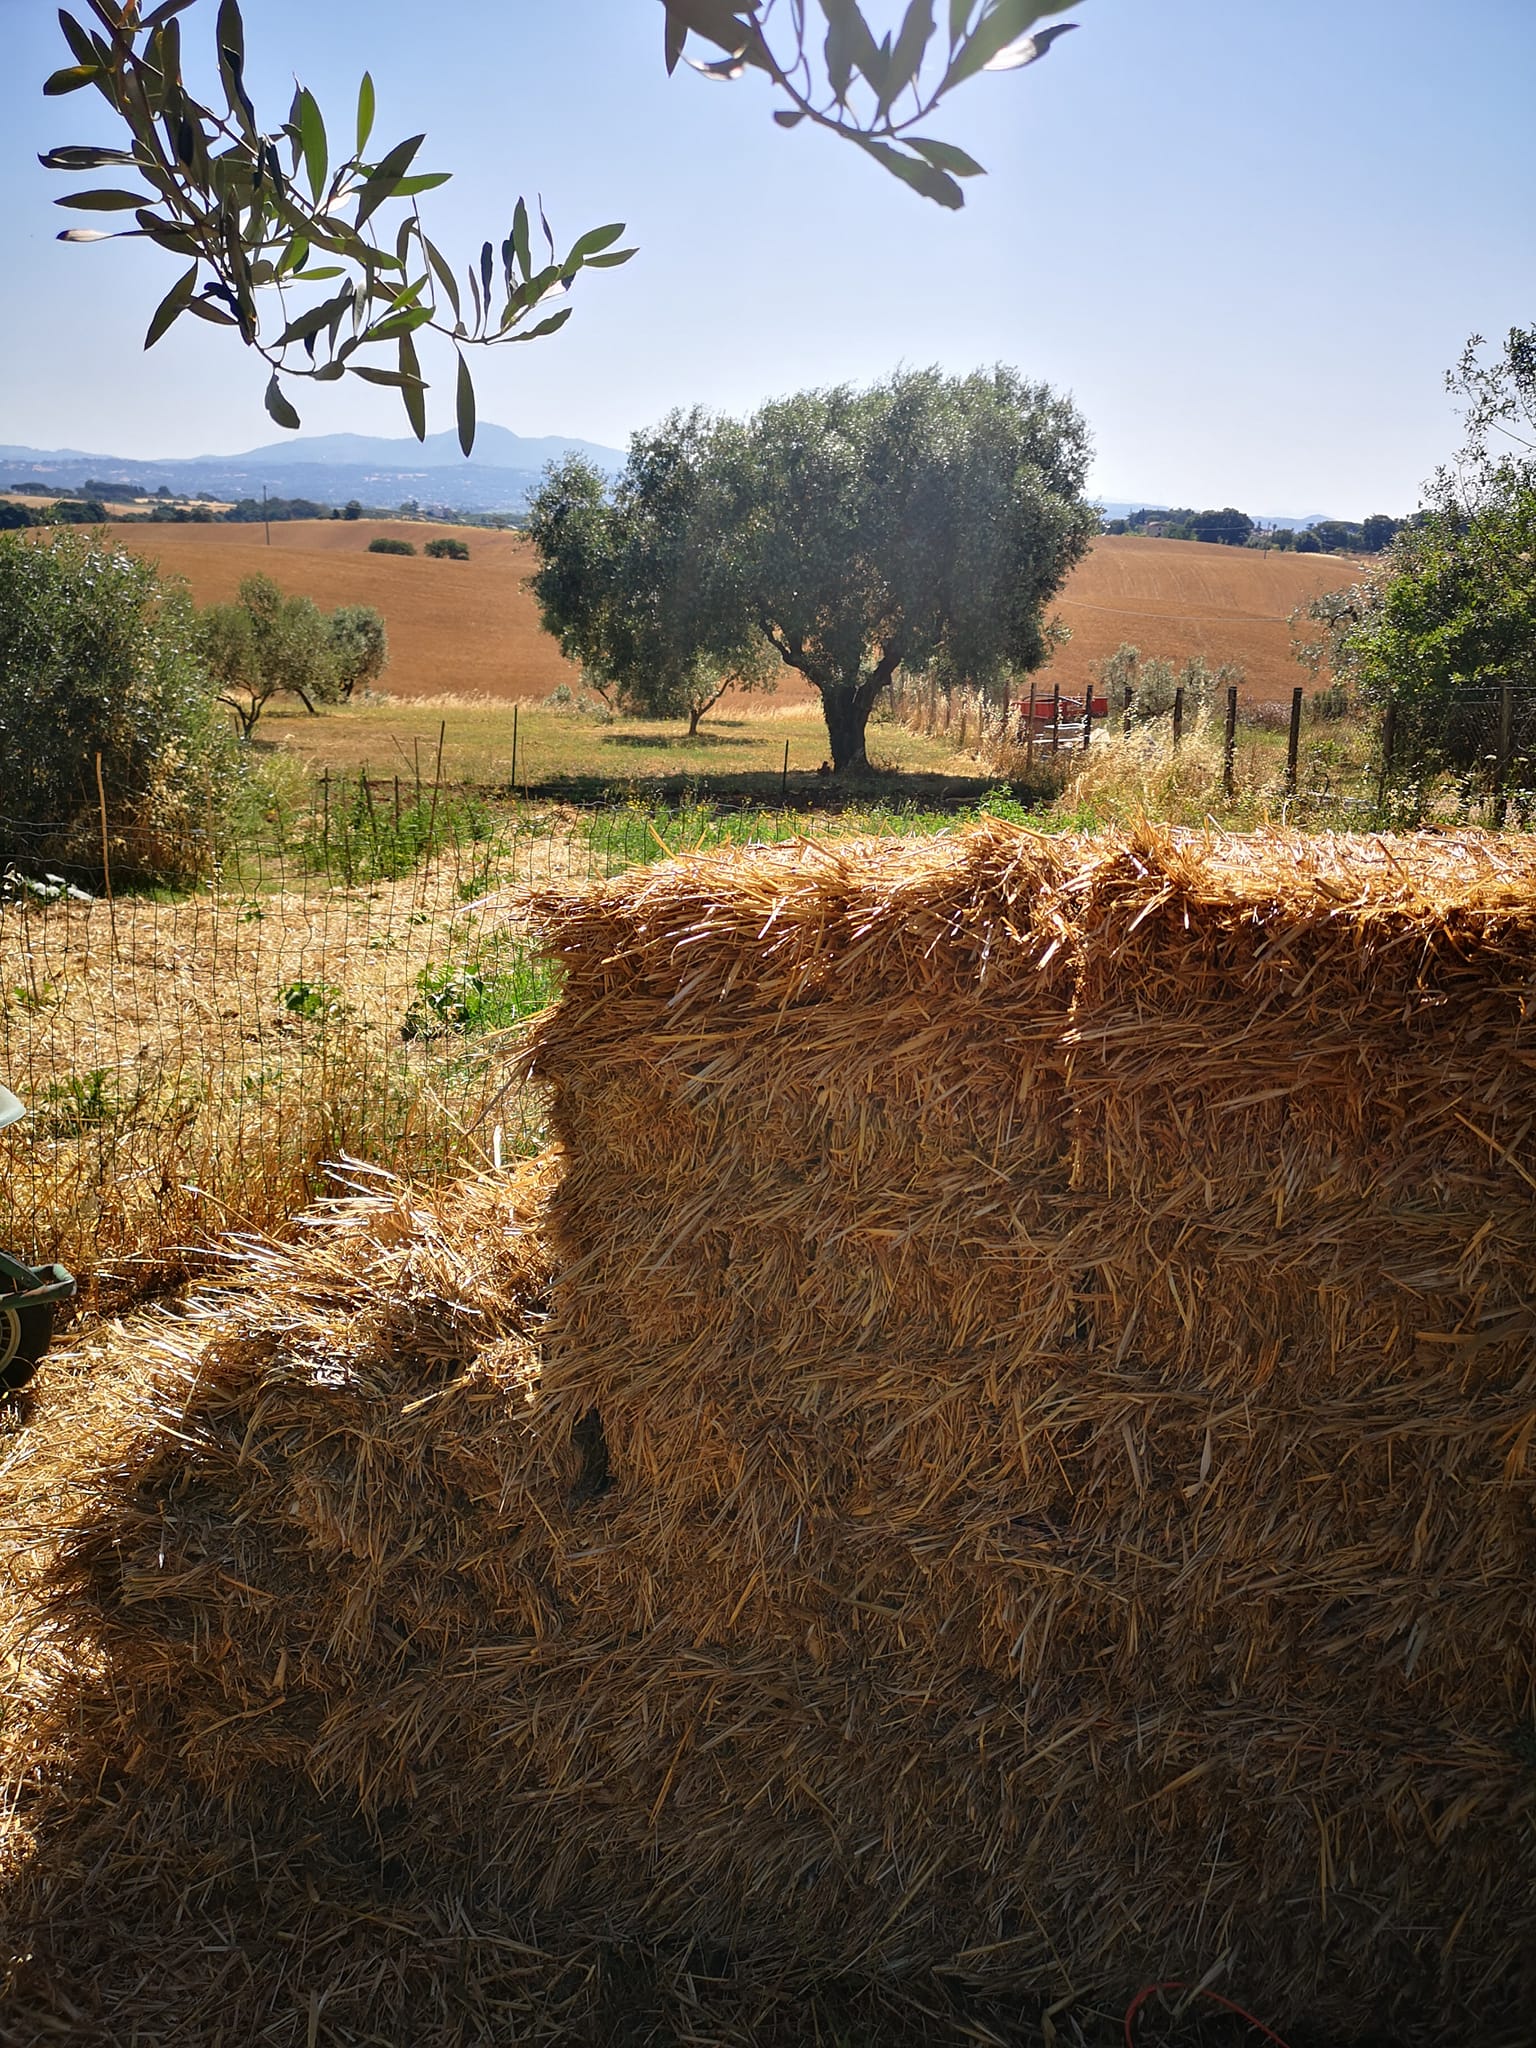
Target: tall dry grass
[1125,776]
[995,737]
[190,1064]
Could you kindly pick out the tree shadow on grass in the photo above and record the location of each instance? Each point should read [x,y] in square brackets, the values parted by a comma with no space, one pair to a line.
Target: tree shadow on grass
[664,742]
[769,790]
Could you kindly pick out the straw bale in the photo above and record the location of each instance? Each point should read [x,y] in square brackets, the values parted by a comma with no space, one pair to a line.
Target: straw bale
[997,1462]
[1094,1282]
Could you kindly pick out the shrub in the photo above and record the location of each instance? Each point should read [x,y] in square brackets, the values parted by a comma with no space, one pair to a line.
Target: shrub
[77,512]
[447,549]
[98,657]
[386,544]
[1153,684]
[1273,715]
[266,644]
[359,647]
[1330,704]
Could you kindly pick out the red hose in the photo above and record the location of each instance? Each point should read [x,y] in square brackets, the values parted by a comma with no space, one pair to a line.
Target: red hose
[1151,1990]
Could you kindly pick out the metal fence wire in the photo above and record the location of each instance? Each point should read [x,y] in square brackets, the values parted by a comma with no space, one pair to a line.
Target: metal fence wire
[190,1058]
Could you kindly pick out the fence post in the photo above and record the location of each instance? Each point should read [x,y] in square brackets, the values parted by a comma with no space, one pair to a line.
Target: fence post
[1388,739]
[1130,699]
[437,783]
[1029,743]
[1056,718]
[514,746]
[1088,716]
[325,817]
[1229,743]
[1293,744]
[373,823]
[106,856]
[1506,754]
[1178,717]
[784,779]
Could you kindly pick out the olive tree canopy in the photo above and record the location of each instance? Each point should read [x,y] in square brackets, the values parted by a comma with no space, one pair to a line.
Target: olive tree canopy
[265,644]
[630,582]
[922,524]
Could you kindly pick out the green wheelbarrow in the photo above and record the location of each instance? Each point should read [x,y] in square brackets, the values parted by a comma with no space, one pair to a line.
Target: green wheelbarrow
[28,1297]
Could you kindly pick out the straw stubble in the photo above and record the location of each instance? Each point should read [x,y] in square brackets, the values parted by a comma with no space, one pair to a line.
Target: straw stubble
[994,1462]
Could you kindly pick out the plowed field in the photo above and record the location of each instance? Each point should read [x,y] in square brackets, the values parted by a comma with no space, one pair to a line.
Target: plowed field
[471,626]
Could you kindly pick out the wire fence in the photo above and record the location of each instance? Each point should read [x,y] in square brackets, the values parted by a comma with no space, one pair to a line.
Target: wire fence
[190,1059]
[1464,757]
[349,982]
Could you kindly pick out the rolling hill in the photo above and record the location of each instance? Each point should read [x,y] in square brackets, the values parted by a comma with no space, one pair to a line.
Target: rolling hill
[472,626]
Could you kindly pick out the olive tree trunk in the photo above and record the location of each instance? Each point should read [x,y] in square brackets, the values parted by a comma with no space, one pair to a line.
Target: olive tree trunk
[846,707]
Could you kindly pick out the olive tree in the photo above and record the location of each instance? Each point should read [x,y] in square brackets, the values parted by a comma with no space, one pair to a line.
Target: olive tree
[359,647]
[922,524]
[267,644]
[630,582]
[313,249]
[100,666]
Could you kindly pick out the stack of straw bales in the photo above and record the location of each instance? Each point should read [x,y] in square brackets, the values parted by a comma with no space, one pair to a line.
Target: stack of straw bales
[1027,1485]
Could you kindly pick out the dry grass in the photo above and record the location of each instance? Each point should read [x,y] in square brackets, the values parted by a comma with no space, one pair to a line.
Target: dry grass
[998,1467]
[740,747]
[190,1064]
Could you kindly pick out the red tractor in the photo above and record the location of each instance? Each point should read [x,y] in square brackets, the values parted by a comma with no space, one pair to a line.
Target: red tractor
[28,1297]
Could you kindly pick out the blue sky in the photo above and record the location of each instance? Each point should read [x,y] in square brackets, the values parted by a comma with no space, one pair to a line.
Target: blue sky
[1248,236]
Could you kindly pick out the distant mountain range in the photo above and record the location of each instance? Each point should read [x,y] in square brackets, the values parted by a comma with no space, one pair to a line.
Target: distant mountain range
[383,471]
[332,468]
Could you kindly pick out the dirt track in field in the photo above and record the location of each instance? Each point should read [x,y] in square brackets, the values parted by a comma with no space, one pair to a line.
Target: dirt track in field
[472,627]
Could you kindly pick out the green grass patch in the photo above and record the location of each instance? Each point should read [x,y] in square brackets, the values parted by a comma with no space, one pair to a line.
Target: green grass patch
[504,984]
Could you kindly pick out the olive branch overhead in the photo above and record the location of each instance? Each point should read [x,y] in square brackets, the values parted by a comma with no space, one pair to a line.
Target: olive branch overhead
[321,261]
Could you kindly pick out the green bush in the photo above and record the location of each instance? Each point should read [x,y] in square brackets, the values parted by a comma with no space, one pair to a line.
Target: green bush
[447,549]
[386,544]
[98,658]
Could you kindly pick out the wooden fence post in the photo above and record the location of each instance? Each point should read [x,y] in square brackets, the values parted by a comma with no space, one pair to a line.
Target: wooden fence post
[1178,717]
[1029,743]
[1056,718]
[1506,751]
[1088,716]
[514,747]
[106,855]
[1130,699]
[1293,744]
[1388,740]
[1229,744]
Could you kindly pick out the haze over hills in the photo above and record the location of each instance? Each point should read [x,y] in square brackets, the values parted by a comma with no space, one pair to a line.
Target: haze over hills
[384,470]
[332,468]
